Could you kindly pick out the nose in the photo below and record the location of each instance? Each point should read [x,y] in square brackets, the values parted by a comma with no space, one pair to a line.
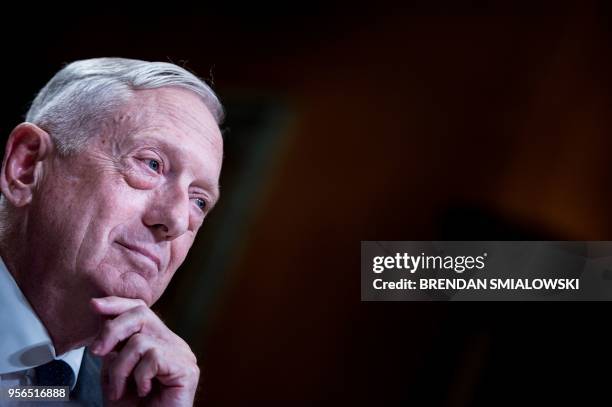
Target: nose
[168,213]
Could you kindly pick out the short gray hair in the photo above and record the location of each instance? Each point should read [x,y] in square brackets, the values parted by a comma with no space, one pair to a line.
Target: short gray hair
[81,96]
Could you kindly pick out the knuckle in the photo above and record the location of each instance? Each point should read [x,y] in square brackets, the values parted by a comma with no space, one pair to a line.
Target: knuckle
[192,374]
[142,310]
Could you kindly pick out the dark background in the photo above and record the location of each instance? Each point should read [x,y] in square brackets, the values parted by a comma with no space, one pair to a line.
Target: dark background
[430,121]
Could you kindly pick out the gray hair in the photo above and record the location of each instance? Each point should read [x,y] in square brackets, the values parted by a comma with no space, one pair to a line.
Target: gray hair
[81,96]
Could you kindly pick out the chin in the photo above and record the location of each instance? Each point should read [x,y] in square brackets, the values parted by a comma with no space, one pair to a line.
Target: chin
[126,284]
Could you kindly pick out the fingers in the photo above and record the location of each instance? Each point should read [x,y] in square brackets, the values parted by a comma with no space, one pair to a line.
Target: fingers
[151,351]
[115,305]
[122,366]
[145,372]
[118,329]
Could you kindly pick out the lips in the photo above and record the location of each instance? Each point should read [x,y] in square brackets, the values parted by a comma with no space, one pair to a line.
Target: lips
[143,251]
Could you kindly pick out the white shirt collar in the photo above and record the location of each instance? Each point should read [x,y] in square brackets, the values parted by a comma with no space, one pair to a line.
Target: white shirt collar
[24,341]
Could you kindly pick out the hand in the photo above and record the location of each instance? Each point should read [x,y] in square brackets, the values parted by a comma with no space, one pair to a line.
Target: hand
[151,351]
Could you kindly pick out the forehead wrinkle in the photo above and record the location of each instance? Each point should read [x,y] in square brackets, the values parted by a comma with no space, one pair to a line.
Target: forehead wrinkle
[152,110]
[177,117]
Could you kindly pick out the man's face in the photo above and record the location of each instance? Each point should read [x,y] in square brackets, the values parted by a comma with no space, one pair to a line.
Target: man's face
[120,217]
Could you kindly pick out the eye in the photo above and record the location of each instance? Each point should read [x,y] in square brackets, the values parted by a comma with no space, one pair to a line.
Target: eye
[200,203]
[153,164]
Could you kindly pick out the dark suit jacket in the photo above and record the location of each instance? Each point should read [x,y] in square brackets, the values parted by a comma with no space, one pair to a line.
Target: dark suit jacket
[88,389]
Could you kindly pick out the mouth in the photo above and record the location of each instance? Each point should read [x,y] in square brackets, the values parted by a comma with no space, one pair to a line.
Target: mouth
[142,252]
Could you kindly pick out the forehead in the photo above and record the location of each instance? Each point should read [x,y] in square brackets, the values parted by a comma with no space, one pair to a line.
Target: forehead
[176,121]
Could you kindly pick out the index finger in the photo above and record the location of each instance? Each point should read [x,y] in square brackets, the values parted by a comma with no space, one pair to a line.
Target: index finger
[115,305]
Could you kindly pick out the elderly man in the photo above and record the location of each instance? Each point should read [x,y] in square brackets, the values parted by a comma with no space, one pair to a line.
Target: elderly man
[104,188]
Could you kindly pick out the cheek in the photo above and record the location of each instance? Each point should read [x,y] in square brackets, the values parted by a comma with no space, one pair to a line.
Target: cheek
[71,221]
[110,212]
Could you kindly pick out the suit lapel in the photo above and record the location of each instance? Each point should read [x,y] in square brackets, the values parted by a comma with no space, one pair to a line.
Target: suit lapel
[88,390]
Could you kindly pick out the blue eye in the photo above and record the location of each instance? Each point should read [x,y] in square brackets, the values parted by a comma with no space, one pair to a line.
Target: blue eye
[201,203]
[154,165]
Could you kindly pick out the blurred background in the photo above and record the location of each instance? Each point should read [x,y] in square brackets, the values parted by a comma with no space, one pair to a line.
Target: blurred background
[427,121]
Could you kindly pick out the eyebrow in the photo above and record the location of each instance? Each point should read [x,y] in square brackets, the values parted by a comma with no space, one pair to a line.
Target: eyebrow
[213,188]
[216,191]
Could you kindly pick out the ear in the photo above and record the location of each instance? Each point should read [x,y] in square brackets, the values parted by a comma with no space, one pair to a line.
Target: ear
[27,146]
